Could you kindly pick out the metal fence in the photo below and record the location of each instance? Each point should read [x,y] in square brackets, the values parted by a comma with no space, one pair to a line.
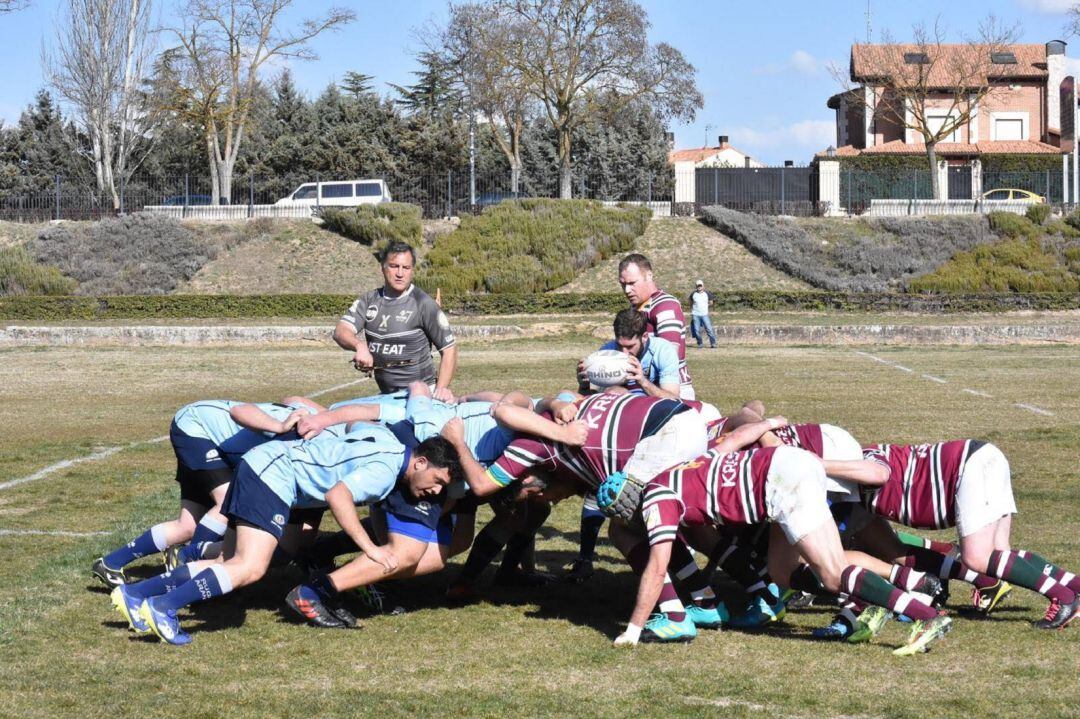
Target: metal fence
[786,190]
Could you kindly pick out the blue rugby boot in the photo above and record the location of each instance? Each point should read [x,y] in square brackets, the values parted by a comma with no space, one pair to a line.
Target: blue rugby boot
[128,606]
[708,618]
[660,629]
[164,624]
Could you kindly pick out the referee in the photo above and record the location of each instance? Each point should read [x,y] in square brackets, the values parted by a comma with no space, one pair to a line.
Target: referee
[391,330]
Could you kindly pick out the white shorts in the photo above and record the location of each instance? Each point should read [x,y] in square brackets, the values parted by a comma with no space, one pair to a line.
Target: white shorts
[686,391]
[681,439]
[795,493]
[984,493]
[838,444]
[709,412]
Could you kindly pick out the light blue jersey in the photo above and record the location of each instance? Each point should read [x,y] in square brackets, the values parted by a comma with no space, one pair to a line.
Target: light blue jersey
[391,406]
[484,436]
[210,420]
[369,460]
[659,362]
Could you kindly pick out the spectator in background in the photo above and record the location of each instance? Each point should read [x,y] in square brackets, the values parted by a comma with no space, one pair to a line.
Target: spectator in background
[390,330]
[700,325]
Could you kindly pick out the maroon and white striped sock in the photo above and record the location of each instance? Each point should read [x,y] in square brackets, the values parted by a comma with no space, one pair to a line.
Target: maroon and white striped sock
[868,586]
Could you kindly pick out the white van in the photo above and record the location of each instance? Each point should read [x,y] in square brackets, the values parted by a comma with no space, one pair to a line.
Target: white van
[346,193]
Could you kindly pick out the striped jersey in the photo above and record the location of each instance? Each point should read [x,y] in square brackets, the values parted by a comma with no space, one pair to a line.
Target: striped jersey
[921,489]
[616,424]
[667,321]
[211,419]
[715,430]
[713,489]
[803,436]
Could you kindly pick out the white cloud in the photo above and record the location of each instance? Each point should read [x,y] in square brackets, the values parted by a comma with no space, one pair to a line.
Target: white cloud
[1047,7]
[801,63]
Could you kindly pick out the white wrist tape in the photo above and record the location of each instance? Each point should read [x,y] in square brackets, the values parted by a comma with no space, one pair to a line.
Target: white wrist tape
[773,424]
[633,632]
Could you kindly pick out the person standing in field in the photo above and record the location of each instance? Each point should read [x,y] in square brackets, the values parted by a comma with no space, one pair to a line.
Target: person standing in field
[700,324]
[390,330]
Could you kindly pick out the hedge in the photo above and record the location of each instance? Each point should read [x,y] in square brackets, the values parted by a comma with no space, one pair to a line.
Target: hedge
[530,245]
[1012,265]
[375,225]
[51,308]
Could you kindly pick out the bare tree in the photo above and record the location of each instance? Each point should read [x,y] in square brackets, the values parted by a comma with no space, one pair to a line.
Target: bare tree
[563,51]
[97,65]
[929,86]
[473,44]
[223,45]
[7,6]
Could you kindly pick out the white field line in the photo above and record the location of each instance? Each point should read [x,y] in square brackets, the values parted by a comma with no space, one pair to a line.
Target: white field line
[1036,410]
[44,533]
[939,380]
[110,451]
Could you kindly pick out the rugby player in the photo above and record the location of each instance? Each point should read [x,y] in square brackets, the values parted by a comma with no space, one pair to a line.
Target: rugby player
[654,362]
[966,484]
[208,438]
[399,322]
[367,465]
[784,485]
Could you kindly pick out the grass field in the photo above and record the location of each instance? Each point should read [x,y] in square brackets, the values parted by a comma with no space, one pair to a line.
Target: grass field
[64,652]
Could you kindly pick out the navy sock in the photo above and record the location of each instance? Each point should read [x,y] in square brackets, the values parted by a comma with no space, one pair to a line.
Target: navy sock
[207,584]
[207,531]
[161,584]
[147,543]
[591,522]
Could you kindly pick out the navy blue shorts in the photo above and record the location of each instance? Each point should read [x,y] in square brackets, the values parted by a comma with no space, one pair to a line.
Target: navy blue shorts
[196,453]
[418,519]
[250,500]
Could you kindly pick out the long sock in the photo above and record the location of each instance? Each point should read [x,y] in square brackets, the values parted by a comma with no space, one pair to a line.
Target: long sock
[207,584]
[160,584]
[741,566]
[669,601]
[515,550]
[1061,576]
[592,519]
[325,549]
[690,576]
[914,540]
[905,577]
[804,580]
[147,543]
[869,587]
[207,531]
[485,548]
[1008,565]
[946,567]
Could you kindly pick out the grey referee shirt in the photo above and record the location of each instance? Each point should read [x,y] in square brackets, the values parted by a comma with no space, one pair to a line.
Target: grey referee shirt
[400,332]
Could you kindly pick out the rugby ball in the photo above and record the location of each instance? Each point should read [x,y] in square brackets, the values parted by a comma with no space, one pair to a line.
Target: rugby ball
[607,368]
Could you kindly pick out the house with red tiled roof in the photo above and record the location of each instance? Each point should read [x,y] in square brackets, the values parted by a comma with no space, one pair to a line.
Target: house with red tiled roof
[1021,115]
[685,164]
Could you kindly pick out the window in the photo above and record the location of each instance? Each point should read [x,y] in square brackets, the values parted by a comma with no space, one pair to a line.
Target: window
[934,123]
[337,189]
[916,58]
[368,189]
[306,192]
[997,195]
[1008,129]
[1003,58]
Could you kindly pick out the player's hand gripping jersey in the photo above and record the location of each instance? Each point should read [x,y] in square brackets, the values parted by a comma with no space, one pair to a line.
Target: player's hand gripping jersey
[617,424]
[666,320]
[400,332]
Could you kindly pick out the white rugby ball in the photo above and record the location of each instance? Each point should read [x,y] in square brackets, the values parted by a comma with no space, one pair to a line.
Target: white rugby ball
[607,368]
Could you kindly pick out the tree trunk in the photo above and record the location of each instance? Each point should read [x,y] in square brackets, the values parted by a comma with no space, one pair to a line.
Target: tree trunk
[931,155]
[225,176]
[515,174]
[565,168]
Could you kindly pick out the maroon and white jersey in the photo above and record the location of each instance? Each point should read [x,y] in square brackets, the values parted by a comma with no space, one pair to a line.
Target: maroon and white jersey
[921,490]
[716,430]
[666,320]
[713,489]
[616,424]
[803,436]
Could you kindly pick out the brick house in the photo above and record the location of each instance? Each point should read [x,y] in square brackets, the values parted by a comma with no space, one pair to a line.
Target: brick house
[1021,115]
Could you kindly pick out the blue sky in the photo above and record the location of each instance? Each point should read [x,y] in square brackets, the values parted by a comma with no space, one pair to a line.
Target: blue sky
[762,66]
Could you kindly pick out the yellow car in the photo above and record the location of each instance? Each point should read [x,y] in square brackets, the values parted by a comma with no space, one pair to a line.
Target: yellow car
[1013,194]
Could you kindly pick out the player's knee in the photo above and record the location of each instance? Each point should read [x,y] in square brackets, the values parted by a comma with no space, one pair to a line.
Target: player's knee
[419,389]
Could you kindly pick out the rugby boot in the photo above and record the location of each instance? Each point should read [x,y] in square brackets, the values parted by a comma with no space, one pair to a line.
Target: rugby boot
[128,606]
[923,634]
[985,601]
[660,629]
[108,576]
[1058,615]
[704,618]
[164,624]
[869,623]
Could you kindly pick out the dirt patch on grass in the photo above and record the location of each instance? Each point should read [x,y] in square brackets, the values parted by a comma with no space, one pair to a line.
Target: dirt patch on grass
[683,250]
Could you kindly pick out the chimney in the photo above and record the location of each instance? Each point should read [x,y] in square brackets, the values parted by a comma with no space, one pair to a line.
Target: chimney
[723,140]
[1055,67]
[789,163]
[746,161]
